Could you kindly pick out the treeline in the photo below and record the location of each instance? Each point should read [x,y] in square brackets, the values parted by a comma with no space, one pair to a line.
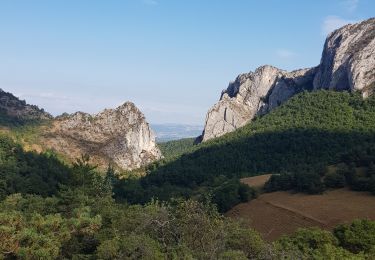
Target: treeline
[29,172]
[224,192]
[355,170]
[300,138]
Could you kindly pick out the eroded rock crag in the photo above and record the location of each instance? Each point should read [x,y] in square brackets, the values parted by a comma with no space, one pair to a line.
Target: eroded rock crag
[120,137]
[347,63]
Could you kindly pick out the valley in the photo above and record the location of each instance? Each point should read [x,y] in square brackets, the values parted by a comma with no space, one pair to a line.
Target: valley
[283,169]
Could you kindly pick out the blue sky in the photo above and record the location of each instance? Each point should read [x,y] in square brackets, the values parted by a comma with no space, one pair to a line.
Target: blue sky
[171,58]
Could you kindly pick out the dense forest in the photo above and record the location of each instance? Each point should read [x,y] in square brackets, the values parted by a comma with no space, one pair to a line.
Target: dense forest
[175,148]
[68,212]
[355,170]
[299,138]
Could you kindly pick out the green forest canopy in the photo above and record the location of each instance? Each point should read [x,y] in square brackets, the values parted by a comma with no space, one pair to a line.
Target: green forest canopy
[304,135]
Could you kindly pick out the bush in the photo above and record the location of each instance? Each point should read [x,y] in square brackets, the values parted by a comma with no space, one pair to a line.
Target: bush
[308,182]
[230,193]
[279,182]
[303,182]
[358,236]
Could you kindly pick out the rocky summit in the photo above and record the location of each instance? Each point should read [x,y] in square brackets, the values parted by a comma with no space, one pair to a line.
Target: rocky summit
[120,137]
[347,63]
[348,59]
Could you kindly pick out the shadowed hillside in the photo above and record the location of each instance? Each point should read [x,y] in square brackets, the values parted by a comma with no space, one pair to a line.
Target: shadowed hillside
[302,136]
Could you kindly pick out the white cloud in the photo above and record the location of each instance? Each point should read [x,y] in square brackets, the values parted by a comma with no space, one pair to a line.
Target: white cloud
[333,22]
[285,54]
[350,5]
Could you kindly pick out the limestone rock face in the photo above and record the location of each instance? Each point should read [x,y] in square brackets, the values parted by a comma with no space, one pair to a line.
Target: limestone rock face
[347,63]
[348,59]
[251,94]
[119,136]
[239,102]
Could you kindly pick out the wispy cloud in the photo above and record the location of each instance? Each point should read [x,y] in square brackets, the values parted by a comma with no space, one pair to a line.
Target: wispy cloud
[44,95]
[333,22]
[285,54]
[350,5]
[150,2]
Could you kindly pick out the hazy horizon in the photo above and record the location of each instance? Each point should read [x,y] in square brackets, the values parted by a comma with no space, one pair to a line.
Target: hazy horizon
[170,58]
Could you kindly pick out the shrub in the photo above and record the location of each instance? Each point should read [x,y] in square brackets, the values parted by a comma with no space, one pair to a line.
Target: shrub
[358,236]
[230,193]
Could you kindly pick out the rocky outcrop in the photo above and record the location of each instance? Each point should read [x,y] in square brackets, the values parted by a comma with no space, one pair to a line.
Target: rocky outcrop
[347,63]
[18,111]
[251,94]
[120,136]
[348,59]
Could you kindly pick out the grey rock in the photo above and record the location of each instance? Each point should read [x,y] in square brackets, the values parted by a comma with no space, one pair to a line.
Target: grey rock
[118,136]
[251,94]
[348,59]
[347,63]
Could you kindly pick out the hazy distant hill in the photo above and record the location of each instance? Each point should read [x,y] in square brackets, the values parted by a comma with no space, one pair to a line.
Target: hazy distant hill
[168,132]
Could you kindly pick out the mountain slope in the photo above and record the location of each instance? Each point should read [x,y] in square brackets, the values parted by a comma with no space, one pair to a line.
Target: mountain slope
[120,137]
[303,135]
[15,112]
[175,148]
[347,63]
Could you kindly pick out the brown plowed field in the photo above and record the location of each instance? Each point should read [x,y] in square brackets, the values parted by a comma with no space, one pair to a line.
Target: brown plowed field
[256,181]
[278,213]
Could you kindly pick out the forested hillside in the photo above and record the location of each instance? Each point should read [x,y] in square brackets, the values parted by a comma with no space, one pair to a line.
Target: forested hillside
[51,210]
[175,148]
[15,112]
[303,136]
[75,217]
[29,172]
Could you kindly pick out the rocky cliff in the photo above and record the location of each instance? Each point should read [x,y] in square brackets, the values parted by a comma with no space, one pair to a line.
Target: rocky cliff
[251,94]
[348,59]
[118,136]
[347,63]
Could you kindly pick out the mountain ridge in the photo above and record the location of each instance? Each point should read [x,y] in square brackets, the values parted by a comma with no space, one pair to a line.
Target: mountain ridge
[14,111]
[347,63]
[120,137]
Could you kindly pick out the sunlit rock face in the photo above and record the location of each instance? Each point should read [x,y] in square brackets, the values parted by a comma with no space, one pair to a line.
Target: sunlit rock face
[253,93]
[347,63]
[118,136]
[348,59]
